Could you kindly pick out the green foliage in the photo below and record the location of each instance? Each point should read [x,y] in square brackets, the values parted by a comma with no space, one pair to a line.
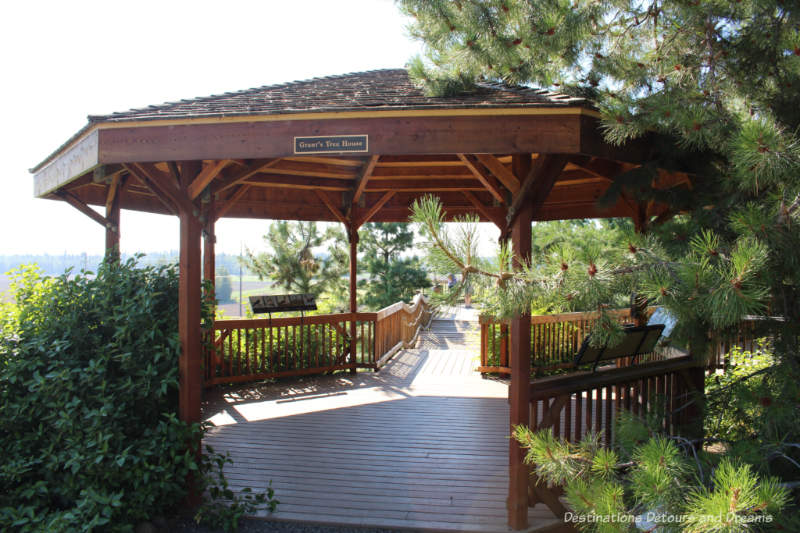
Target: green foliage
[718,80]
[656,481]
[292,265]
[391,278]
[752,408]
[88,401]
[88,396]
[226,508]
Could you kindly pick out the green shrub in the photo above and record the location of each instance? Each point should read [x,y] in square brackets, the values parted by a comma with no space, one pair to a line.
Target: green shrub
[88,396]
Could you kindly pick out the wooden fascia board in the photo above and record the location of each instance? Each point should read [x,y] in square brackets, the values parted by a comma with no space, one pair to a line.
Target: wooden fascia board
[80,158]
[387,136]
[568,130]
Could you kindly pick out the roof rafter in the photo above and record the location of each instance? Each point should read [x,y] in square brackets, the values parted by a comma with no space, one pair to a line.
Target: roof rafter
[483,177]
[255,167]
[205,177]
[504,175]
[363,178]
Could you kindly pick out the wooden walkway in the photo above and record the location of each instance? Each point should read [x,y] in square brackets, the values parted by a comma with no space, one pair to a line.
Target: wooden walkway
[420,445]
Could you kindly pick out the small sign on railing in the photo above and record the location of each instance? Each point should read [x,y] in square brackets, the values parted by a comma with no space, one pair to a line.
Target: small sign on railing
[275,303]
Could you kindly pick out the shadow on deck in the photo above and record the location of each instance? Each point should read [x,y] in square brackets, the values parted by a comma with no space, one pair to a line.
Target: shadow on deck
[422,444]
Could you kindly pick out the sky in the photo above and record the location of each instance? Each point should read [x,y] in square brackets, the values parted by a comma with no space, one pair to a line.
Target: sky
[62,61]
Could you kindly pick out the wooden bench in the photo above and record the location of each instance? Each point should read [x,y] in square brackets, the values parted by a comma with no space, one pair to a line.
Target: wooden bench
[637,340]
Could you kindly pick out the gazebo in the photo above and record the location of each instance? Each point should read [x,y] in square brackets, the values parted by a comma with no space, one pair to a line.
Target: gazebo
[351,149]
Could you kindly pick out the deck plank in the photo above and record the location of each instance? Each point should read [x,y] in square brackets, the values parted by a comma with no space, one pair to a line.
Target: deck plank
[422,444]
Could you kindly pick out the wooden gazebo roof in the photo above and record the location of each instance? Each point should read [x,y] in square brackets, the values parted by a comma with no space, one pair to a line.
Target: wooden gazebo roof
[408,144]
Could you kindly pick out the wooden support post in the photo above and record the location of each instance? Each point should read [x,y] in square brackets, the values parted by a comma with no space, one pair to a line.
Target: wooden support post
[352,233]
[519,390]
[209,242]
[189,303]
[112,216]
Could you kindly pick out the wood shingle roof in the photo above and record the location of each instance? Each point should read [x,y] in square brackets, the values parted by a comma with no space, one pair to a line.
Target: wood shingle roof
[389,89]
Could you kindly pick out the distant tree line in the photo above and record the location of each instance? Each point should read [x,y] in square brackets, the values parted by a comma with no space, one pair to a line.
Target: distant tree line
[57,264]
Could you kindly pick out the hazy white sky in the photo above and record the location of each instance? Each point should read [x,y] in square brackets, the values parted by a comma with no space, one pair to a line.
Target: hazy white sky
[63,60]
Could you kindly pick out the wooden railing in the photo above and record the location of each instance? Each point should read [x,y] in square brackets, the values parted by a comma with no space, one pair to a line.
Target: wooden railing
[745,338]
[555,339]
[582,402]
[253,349]
[398,327]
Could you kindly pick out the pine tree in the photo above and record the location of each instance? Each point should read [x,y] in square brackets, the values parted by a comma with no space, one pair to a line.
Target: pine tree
[392,278]
[292,264]
[648,484]
[719,81]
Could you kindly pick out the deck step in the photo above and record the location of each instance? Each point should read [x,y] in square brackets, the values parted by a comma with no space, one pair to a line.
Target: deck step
[451,334]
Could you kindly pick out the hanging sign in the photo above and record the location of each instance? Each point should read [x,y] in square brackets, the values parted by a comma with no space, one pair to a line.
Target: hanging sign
[283,302]
[331,143]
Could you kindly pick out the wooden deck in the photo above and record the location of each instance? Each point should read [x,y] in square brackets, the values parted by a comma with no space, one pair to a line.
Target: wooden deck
[420,445]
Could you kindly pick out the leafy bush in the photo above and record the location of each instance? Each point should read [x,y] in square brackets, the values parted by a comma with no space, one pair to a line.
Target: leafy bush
[752,409]
[88,396]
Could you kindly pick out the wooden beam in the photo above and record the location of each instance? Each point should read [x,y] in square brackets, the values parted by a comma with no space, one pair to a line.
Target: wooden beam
[144,180]
[206,175]
[484,178]
[422,185]
[333,209]
[232,199]
[482,209]
[174,171]
[288,182]
[504,175]
[363,178]
[601,168]
[257,166]
[374,209]
[337,161]
[111,197]
[160,181]
[78,204]
[531,131]
[154,187]
[537,183]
